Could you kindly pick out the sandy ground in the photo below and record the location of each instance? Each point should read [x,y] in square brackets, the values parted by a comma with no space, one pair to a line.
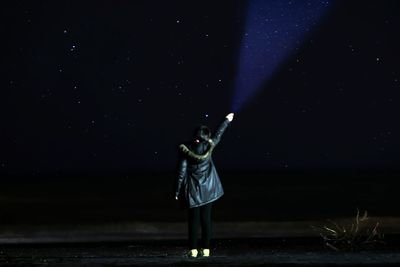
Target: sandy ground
[225,252]
[118,224]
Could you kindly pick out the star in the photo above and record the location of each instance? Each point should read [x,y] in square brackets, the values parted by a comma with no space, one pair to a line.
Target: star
[286,165]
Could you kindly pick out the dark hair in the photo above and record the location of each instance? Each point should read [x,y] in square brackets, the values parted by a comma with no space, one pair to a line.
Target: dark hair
[202,132]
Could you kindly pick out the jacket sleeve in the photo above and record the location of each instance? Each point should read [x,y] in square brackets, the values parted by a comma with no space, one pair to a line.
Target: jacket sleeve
[220,131]
[181,175]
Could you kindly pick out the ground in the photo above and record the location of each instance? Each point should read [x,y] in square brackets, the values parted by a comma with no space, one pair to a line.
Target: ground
[102,223]
[225,252]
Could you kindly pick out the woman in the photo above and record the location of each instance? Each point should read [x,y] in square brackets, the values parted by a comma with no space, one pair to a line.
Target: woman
[198,184]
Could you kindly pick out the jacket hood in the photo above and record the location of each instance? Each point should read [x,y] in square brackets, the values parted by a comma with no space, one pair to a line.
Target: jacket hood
[197,157]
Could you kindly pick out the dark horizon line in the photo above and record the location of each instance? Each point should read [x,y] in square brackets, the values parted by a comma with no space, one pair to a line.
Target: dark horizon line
[348,171]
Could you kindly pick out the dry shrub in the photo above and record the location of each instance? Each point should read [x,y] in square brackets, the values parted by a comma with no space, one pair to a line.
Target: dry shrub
[359,234]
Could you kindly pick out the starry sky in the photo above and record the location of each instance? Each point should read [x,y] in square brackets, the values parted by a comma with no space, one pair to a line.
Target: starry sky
[115,86]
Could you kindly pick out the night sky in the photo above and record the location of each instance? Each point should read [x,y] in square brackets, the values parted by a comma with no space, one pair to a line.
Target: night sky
[115,86]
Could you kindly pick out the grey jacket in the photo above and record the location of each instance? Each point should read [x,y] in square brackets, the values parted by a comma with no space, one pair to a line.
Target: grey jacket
[198,182]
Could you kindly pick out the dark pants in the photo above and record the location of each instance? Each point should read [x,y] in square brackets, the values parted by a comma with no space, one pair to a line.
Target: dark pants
[199,215]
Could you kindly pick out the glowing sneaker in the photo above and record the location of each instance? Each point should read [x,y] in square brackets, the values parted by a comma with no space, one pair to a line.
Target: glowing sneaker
[192,253]
[205,252]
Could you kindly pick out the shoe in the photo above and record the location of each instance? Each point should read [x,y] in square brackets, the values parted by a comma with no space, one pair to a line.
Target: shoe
[205,252]
[192,253]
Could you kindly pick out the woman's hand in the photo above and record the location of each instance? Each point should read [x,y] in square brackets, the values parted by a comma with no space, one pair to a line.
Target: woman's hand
[230,116]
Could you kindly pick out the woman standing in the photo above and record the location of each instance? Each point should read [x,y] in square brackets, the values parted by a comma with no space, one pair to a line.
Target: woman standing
[198,184]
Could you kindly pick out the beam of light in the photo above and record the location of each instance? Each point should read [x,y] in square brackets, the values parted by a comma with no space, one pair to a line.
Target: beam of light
[273,29]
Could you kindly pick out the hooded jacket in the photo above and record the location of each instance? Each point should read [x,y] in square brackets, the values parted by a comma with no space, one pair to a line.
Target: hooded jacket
[198,182]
